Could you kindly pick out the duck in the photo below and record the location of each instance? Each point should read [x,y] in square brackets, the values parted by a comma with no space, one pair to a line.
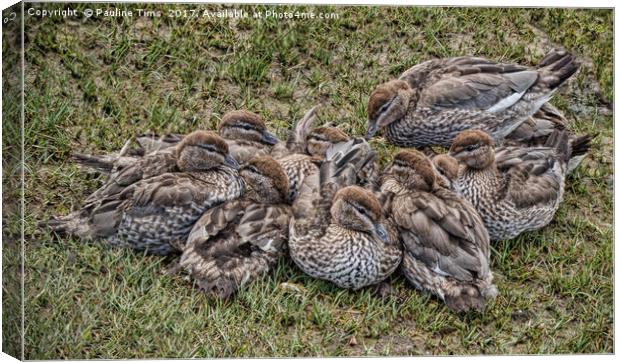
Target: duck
[245,133]
[434,101]
[338,232]
[240,240]
[155,214]
[518,189]
[446,245]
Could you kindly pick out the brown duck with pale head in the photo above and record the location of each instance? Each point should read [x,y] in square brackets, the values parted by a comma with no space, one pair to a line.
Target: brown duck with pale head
[434,101]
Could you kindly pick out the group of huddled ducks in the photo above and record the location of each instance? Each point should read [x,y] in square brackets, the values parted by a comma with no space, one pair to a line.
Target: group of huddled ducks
[232,203]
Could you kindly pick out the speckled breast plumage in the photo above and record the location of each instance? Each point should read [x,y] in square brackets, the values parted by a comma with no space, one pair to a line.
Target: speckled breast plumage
[502,218]
[347,258]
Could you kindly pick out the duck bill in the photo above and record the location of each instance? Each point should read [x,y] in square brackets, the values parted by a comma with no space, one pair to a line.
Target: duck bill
[372,130]
[231,162]
[381,233]
[269,138]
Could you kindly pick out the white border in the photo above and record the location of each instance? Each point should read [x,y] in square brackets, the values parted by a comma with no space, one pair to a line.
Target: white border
[480,3]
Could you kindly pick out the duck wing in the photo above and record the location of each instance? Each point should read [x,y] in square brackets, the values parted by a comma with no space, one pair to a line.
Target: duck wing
[183,189]
[536,129]
[489,87]
[235,243]
[146,202]
[296,140]
[144,168]
[444,232]
[532,176]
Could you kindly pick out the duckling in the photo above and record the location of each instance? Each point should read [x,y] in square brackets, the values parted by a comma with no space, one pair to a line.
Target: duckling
[446,244]
[157,213]
[238,241]
[433,101]
[518,189]
[305,149]
[338,232]
[245,133]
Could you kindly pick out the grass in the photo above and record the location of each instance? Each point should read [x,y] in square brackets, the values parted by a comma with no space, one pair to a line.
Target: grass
[92,83]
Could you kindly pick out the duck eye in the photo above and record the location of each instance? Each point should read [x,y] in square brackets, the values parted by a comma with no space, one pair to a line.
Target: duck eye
[386,106]
[471,147]
[209,148]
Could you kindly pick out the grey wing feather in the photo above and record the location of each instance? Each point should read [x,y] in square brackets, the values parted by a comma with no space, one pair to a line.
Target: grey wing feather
[170,190]
[146,167]
[536,129]
[531,175]
[483,91]
[152,143]
[534,183]
[296,141]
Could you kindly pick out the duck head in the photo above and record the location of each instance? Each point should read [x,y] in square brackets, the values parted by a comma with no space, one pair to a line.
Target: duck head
[388,103]
[412,170]
[245,126]
[358,209]
[320,138]
[447,168]
[266,181]
[474,148]
[202,151]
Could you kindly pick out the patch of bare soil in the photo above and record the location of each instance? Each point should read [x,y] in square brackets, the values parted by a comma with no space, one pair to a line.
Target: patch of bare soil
[589,89]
